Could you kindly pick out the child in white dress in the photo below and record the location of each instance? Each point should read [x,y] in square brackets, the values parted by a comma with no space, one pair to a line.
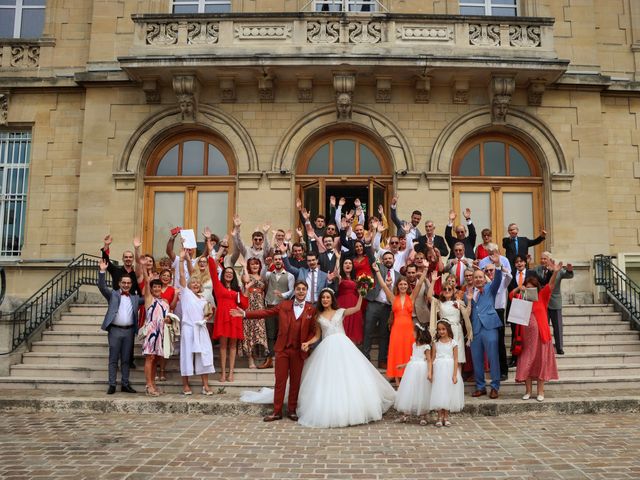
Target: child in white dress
[414,392]
[447,391]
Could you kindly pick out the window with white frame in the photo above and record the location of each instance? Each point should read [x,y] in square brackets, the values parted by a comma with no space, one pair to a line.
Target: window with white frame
[15,153]
[505,8]
[21,18]
[345,5]
[201,6]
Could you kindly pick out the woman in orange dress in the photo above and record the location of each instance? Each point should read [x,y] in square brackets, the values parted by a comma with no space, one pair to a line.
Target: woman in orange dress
[401,338]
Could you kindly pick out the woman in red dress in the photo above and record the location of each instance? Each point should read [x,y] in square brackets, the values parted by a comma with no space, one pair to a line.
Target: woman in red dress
[362,266]
[537,360]
[227,328]
[348,297]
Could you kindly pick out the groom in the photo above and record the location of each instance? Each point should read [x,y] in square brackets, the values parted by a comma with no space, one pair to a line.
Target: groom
[296,324]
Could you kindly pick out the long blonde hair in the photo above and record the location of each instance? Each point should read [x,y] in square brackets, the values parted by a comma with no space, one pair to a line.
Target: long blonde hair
[204,276]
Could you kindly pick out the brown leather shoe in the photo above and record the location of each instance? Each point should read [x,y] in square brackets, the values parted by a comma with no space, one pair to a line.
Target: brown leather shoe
[268,363]
[479,393]
[494,394]
[292,416]
[272,418]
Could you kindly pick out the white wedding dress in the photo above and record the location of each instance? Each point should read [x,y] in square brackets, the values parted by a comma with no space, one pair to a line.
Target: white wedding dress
[340,387]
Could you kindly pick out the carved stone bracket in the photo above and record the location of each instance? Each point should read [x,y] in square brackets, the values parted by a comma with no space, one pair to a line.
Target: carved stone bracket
[265,88]
[186,89]
[461,90]
[227,89]
[151,89]
[383,89]
[344,84]
[4,108]
[535,91]
[305,89]
[423,89]
[500,91]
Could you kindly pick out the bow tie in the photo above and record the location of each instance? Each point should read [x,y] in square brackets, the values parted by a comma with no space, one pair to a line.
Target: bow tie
[298,304]
[125,294]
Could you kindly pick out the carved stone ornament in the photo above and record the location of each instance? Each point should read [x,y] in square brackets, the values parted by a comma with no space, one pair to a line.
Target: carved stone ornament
[344,84]
[425,33]
[162,33]
[25,56]
[186,89]
[365,32]
[423,89]
[323,32]
[202,33]
[461,91]
[265,89]
[305,89]
[227,89]
[484,35]
[500,91]
[151,89]
[383,89]
[535,91]
[525,36]
[4,108]
[263,32]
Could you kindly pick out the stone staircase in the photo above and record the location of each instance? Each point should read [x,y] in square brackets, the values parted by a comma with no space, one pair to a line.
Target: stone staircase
[602,352]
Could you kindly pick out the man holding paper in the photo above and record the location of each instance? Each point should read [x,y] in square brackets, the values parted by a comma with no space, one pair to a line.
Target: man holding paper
[486,323]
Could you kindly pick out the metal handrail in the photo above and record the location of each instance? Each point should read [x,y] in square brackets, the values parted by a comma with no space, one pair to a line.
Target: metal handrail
[624,291]
[42,305]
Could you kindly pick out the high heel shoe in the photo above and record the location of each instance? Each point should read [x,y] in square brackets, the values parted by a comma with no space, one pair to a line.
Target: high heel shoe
[206,392]
[151,393]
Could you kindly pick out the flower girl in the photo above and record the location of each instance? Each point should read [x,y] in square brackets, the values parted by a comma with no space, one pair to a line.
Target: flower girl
[447,392]
[414,391]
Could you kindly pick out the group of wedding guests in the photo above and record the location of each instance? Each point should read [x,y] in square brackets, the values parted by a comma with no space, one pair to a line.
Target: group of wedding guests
[397,291]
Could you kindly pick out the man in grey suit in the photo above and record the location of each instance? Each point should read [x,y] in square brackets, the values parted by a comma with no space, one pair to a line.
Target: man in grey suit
[315,278]
[378,310]
[121,321]
[554,310]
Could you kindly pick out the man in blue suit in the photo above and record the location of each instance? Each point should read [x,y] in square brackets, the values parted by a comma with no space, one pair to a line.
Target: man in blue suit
[486,323]
[315,278]
[121,321]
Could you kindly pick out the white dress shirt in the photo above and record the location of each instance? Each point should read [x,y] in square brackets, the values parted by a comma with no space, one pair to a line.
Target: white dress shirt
[297,309]
[382,297]
[125,312]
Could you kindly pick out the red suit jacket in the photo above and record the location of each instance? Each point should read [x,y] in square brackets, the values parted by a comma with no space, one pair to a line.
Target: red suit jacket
[286,317]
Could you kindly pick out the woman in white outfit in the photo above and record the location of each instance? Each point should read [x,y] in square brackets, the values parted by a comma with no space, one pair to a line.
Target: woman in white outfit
[195,342]
[339,387]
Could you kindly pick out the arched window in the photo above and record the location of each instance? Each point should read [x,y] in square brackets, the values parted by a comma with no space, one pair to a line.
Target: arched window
[499,178]
[189,183]
[343,156]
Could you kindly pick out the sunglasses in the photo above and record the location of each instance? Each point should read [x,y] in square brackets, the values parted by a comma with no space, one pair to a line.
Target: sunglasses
[393,243]
[224,246]
[258,239]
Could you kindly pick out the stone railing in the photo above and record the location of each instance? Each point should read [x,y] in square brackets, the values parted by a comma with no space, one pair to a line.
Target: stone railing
[377,33]
[16,53]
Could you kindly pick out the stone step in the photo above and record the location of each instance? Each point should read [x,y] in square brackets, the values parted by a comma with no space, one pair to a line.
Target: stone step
[595,347]
[604,335]
[569,308]
[175,386]
[91,309]
[577,370]
[100,372]
[79,337]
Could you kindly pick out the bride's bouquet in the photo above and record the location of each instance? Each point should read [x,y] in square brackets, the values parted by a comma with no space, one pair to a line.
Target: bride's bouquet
[364,283]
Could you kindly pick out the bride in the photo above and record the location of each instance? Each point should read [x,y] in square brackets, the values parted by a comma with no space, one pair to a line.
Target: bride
[339,387]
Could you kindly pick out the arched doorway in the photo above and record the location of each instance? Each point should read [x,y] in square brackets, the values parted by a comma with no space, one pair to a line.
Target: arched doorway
[343,164]
[500,179]
[189,183]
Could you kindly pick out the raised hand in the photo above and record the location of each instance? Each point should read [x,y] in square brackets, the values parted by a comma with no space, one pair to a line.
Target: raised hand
[495,258]
[207,233]
[375,267]
[406,226]
[543,232]
[137,243]
[305,214]
[332,201]
[434,276]
[380,210]
[394,200]
[343,223]
[287,235]
[331,275]
[102,264]
[236,221]
[467,213]
[556,267]
[299,232]
[266,227]
[107,240]
[381,228]
[298,203]
[452,216]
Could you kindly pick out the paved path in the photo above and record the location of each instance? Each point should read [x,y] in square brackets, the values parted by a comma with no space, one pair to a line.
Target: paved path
[94,446]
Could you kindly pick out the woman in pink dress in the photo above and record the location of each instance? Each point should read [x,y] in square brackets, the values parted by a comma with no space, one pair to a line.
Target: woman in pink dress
[348,297]
[537,360]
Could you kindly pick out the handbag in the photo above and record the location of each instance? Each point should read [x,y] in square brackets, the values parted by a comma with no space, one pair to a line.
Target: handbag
[516,349]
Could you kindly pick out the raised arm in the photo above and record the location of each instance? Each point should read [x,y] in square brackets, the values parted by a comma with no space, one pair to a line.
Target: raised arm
[102,280]
[556,268]
[422,276]
[139,267]
[148,298]
[355,308]
[293,270]
[238,247]
[183,280]
[394,214]
[169,250]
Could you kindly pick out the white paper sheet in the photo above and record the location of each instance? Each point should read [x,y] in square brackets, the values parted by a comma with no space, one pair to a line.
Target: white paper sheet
[520,312]
[189,238]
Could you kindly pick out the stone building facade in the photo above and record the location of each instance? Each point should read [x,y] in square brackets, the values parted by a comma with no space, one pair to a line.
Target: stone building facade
[132,118]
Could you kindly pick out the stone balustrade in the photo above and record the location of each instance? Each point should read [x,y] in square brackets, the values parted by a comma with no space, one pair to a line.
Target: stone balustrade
[16,53]
[322,33]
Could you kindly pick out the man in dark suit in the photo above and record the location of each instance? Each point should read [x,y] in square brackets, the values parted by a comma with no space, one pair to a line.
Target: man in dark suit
[121,321]
[469,241]
[378,311]
[315,278]
[431,240]
[514,245]
[416,216]
[296,325]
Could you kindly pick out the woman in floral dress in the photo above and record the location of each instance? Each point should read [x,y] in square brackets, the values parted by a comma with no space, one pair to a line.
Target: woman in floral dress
[254,330]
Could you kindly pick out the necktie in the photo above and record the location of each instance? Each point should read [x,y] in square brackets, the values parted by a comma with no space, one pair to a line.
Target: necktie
[520,279]
[388,276]
[459,272]
[515,241]
[313,285]
[298,304]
